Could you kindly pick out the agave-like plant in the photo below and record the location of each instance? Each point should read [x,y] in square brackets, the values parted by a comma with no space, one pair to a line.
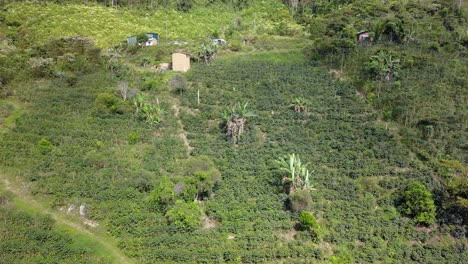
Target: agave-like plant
[297,173]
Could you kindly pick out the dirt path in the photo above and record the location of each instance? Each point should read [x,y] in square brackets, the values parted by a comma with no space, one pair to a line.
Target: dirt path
[21,193]
[182,133]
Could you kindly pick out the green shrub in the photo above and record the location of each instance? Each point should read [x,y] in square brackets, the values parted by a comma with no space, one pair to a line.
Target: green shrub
[418,204]
[300,200]
[163,196]
[145,61]
[142,183]
[41,67]
[178,84]
[307,220]
[309,223]
[151,84]
[45,146]
[202,177]
[319,49]
[184,215]
[107,103]
[133,138]
[235,45]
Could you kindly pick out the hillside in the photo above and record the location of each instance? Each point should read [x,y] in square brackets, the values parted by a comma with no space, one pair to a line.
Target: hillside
[32,23]
[296,144]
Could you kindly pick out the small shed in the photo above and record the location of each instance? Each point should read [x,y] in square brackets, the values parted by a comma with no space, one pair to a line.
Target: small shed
[180,61]
[363,36]
[132,40]
[153,39]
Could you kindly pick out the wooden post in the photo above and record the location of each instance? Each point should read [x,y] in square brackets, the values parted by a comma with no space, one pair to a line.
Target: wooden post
[166,27]
[198,96]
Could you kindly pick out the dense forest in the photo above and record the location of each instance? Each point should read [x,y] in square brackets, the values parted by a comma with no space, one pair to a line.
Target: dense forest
[297,141]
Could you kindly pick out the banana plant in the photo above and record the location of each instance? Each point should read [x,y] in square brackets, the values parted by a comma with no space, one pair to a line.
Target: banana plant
[151,113]
[297,173]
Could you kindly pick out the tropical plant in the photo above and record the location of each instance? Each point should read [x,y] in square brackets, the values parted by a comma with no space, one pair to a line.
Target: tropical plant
[208,51]
[235,118]
[385,66]
[151,113]
[297,174]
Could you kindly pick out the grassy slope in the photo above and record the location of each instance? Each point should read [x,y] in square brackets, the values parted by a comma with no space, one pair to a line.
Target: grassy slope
[108,26]
[70,241]
[33,232]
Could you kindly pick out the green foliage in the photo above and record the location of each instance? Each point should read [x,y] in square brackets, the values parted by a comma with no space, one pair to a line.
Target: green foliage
[298,175]
[34,238]
[201,177]
[418,204]
[308,222]
[184,5]
[107,103]
[151,113]
[362,163]
[319,49]
[238,109]
[207,181]
[184,215]
[207,51]
[142,38]
[45,146]
[390,30]
[178,84]
[384,66]
[163,196]
[133,138]
[300,200]
[235,118]
[152,84]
